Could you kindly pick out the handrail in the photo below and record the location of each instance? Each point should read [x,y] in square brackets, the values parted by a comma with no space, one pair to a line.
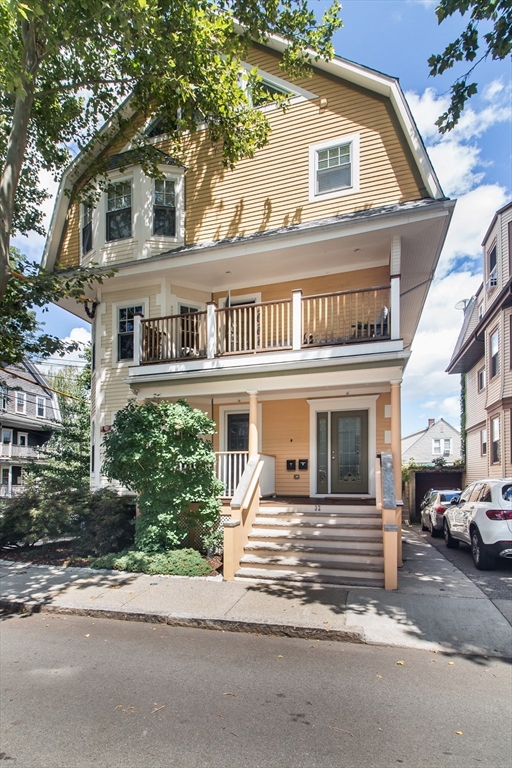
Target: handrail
[346,293]
[247,482]
[244,507]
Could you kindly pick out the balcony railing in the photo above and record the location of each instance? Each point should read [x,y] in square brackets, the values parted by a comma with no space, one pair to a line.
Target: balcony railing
[18,451]
[9,491]
[230,468]
[297,323]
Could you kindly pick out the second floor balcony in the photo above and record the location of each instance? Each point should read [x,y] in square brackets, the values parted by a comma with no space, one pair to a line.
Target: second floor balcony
[297,323]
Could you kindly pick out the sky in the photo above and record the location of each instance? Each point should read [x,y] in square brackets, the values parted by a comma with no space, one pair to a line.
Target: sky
[473,164]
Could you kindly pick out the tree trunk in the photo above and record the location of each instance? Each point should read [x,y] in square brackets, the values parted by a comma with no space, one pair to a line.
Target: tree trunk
[16,147]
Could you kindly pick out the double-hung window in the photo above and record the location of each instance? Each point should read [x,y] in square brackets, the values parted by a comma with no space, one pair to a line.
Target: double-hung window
[334,168]
[119,210]
[125,325]
[21,402]
[164,208]
[495,437]
[41,407]
[495,353]
[493,269]
[86,228]
[4,398]
[481,379]
[483,442]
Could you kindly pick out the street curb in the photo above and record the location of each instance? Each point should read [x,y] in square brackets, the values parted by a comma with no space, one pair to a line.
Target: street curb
[224,625]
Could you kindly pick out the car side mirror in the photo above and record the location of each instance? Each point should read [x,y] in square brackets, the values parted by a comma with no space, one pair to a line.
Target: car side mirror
[454,501]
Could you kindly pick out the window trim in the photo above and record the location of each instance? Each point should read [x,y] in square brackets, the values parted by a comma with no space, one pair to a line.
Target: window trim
[24,395]
[353,140]
[42,400]
[112,183]
[174,208]
[116,306]
[4,398]
[496,356]
[10,433]
[25,435]
[495,444]
[483,443]
[492,274]
[224,410]
[83,208]
[481,371]
[434,441]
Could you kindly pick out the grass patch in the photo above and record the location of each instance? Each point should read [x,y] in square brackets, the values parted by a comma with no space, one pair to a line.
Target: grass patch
[176,562]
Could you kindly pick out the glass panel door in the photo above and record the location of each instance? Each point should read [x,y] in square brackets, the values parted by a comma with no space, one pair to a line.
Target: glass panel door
[238,432]
[349,452]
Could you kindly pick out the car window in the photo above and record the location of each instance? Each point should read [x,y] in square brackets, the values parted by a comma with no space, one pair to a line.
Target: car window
[475,494]
[448,496]
[506,492]
[466,493]
[485,493]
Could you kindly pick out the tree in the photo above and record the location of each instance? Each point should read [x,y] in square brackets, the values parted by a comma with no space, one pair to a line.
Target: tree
[65,67]
[29,287]
[497,45]
[159,450]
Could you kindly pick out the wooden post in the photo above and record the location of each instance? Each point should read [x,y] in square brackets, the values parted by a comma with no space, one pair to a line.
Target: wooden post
[253,423]
[137,339]
[297,319]
[390,531]
[211,329]
[396,450]
[231,564]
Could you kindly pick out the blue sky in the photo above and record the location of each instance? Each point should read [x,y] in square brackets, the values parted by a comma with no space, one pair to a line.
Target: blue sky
[473,164]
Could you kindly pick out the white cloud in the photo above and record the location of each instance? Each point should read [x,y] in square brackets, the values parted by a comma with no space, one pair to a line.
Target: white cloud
[80,335]
[33,244]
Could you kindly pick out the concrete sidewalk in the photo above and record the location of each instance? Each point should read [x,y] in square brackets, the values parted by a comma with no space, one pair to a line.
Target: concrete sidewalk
[436,607]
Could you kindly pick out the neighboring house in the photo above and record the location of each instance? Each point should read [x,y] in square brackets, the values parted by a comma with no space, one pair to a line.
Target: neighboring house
[282,297]
[483,352]
[438,440]
[28,412]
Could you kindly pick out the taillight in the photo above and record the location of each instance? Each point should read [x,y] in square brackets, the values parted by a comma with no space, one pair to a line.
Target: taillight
[440,510]
[499,514]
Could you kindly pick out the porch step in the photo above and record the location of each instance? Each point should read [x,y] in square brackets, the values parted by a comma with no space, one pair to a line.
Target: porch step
[303,561]
[339,547]
[316,576]
[301,533]
[328,510]
[320,521]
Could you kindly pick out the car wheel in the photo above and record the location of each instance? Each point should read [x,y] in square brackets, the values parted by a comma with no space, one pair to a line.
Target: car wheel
[451,543]
[423,526]
[433,531]
[482,559]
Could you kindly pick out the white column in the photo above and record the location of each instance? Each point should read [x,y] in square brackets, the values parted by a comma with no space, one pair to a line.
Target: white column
[211,329]
[137,339]
[253,422]
[297,319]
[395,307]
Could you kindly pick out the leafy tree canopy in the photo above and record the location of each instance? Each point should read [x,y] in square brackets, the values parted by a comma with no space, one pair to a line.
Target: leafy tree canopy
[30,287]
[497,43]
[65,67]
[160,451]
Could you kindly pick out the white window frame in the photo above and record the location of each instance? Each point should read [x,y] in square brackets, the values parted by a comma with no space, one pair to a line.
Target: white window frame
[83,208]
[112,183]
[224,410]
[483,442]
[354,141]
[447,446]
[39,400]
[495,439]
[4,398]
[481,375]
[6,432]
[495,334]
[437,452]
[25,435]
[24,396]
[116,306]
[178,237]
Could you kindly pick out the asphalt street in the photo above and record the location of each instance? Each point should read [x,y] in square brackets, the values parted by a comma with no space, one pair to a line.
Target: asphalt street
[80,692]
[496,584]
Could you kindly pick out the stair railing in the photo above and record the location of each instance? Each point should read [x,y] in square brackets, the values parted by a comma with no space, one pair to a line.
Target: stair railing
[244,508]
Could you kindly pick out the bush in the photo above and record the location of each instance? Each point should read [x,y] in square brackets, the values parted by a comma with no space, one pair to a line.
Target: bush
[29,517]
[106,523]
[178,562]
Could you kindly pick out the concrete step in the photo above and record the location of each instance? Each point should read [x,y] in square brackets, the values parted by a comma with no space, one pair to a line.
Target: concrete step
[305,562]
[306,533]
[374,522]
[359,549]
[318,509]
[324,576]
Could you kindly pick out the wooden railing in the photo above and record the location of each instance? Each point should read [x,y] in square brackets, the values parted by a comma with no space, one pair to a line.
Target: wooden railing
[230,468]
[175,337]
[338,318]
[297,323]
[254,327]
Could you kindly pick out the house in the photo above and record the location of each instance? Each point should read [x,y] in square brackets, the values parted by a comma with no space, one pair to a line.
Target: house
[438,440]
[483,354]
[282,298]
[28,413]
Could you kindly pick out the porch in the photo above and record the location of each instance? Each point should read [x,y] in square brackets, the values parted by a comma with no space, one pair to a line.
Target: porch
[297,323]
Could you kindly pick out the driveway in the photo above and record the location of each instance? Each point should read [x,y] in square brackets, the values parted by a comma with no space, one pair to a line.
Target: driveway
[495,584]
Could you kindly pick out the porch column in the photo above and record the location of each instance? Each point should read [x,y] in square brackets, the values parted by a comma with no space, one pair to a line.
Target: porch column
[396,450]
[394,299]
[253,422]
[137,339]
[211,329]
[297,319]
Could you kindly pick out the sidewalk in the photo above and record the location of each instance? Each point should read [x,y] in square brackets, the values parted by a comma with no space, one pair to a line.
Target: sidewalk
[436,607]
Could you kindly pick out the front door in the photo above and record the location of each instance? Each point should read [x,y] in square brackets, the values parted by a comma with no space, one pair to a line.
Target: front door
[343,452]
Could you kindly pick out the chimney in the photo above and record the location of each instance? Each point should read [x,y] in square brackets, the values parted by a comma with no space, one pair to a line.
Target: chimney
[431,423]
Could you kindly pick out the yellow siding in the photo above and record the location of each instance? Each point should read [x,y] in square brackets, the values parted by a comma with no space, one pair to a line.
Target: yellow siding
[383,423]
[69,250]
[285,435]
[476,463]
[345,281]
[475,400]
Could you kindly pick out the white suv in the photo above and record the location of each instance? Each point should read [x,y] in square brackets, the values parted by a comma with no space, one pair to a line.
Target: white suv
[482,518]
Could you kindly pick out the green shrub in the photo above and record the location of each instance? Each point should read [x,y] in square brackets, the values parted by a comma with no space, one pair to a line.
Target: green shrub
[177,562]
[106,523]
[30,516]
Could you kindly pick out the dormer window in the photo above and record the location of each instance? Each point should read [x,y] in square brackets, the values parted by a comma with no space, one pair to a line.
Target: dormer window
[86,228]
[164,208]
[119,210]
